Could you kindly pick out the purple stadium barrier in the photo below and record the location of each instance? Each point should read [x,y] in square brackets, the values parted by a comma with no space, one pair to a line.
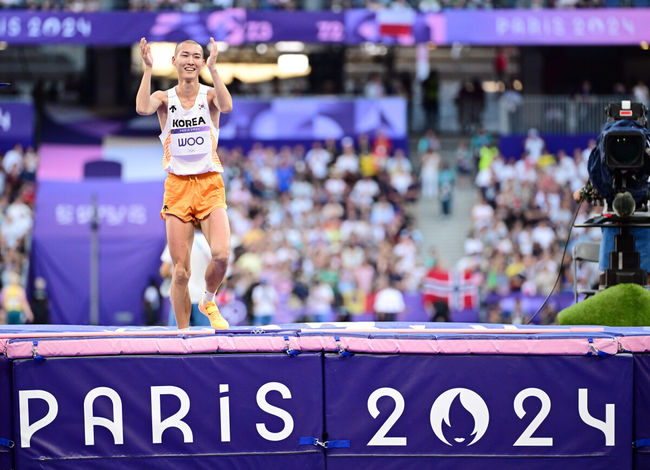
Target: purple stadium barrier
[336,396]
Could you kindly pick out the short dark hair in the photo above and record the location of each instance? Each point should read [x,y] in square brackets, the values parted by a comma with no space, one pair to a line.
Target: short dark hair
[186,41]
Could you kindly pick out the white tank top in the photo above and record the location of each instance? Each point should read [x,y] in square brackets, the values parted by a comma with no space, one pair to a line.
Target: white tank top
[189,137]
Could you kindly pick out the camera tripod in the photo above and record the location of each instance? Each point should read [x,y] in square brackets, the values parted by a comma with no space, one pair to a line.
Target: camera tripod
[625,260]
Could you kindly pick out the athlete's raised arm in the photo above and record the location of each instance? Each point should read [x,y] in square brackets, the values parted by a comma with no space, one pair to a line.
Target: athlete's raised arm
[222,99]
[146,102]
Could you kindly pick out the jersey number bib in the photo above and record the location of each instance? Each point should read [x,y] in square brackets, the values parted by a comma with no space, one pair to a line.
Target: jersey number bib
[191,141]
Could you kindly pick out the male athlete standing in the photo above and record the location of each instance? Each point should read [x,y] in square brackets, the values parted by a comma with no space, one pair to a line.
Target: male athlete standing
[194,190]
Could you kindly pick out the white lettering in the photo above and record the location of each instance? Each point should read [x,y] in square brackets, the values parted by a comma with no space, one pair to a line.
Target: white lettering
[607,427]
[613,26]
[109,214]
[330,31]
[90,420]
[51,27]
[275,411]
[84,214]
[578,27]
[224,413]
[64,214]
[137,214]
[68,27]
[27,430]
[596,26]
[518,26]
[34,27]
[14,28]
[112,215]
[259,31]
[380,439]
[526,438]
[502,26]
[175,420]
[628,26]
[534,26]
[84,26]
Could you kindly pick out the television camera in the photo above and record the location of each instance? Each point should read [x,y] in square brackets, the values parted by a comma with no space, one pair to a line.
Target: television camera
[619,167]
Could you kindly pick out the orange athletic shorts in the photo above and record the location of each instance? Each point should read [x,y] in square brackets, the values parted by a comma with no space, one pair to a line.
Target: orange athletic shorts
[193,197]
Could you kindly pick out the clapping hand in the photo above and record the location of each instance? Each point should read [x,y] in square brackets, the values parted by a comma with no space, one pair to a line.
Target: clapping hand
[145,52]
[214,52]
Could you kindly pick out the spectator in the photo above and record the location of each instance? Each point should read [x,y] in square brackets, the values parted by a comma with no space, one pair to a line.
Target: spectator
[40,302]
[265,301]
[511,99]
[389,301]
[430,165]
[501,64]
[534,145]
[13,160]
[347,163]
[14,301]
[151,303]
[318,159]
[374,87]
[429,142]
[364,192]
[446,184]
[430,91]
[321,301]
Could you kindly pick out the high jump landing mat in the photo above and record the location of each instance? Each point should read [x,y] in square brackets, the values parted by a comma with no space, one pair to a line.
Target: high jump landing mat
[325,396]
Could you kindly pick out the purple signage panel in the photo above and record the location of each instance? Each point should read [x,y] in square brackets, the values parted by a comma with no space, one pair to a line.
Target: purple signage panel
[604,26]
[36,27]
[123,209]
[363,25]
[131,239]
[168,412]
[642,410]
[224,25]
[610,26]
[16,124]
[487,412]
[234,26]
[314,118]
[314,27]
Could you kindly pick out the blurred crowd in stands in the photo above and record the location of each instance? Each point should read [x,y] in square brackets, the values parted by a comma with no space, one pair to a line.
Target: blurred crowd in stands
[319,230]
[327,232]
[323,231]
[336,5]
[17,191]
[522,220]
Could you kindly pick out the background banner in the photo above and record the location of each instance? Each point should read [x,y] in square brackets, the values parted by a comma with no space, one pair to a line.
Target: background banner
[463,411]
[608,26]
[252,410]
[313,118]
[237,411]
[585,27]
[234,26]
[131,239]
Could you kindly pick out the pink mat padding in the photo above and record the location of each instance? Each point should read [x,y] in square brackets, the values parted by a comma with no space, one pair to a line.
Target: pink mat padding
[100,346]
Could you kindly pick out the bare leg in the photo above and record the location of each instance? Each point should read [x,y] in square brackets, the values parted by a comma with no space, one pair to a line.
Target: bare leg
[216,229]
[179,237]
